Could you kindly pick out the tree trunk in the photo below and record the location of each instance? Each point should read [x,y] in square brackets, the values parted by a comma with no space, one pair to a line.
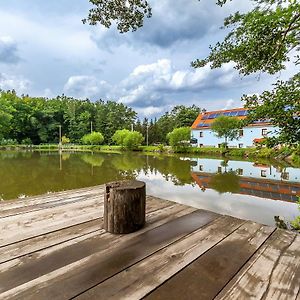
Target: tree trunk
[124,206]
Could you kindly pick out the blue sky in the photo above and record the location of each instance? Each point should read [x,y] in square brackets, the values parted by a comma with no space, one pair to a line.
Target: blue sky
[45,50]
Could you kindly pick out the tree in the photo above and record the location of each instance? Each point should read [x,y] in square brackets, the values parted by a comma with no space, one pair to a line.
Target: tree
[184,115]
[179,137]
[129,15]
[94,138]
[262,40]
[226,127]
[128,139]
[179,116]
[6,110]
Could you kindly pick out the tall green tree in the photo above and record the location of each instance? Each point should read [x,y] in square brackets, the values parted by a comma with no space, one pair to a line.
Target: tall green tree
[226,127]
[6,114]
[179,137]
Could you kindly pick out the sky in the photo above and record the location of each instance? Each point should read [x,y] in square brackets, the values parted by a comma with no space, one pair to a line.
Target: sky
[45,50]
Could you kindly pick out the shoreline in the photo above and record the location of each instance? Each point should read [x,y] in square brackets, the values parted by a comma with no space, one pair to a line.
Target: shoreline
[283,155]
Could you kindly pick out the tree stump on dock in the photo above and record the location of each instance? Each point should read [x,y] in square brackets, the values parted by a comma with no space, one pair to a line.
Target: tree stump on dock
[124,206]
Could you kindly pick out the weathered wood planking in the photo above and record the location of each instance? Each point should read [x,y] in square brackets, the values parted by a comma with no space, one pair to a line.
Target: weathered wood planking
[50,204]
[24,226]
[41,199]
[272,273]
[207,275]
[140,279]
[52,238]
[53,247]
[112,257]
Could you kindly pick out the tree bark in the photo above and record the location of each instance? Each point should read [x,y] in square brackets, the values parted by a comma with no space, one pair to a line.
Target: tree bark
[124,206]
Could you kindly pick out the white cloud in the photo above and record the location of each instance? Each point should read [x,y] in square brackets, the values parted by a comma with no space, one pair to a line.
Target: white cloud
[86,87]
[150,88]
[149,111]
[9,82]
[149,84]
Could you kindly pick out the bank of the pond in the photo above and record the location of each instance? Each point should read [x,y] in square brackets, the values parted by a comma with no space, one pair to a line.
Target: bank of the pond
[282,154]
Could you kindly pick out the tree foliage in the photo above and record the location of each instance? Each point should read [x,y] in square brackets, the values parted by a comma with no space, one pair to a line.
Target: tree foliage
[128,139]
[282,107]
[39,118]
[127,14]
[259,40]
[226,127]
[94,138]
[179,137]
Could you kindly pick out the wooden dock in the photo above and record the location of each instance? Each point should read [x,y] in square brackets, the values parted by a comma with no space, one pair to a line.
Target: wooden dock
[53,247]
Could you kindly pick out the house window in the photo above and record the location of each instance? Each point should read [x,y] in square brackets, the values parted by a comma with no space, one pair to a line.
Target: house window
[201,168]
[264,132]
[201,134]
[239,171]
[241,132]
[285,175]
[240,145]
[263,173]
[219,169]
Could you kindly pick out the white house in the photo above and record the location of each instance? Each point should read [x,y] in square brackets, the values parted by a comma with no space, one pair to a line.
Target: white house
[203,136]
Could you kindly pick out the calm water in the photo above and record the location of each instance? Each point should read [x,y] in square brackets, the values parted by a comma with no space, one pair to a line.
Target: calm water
[244,189]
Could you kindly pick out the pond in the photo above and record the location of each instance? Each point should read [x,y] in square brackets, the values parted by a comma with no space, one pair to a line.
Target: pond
[248,190]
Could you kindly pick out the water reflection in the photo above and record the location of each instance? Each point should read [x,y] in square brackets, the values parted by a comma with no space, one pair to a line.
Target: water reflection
[244,177]
[239,188]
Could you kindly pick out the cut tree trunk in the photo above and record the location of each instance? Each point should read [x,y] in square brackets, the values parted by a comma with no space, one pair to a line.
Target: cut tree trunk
[124,206]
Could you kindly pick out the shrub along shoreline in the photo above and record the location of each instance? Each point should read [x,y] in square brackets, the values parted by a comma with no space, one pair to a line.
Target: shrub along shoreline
[283,154]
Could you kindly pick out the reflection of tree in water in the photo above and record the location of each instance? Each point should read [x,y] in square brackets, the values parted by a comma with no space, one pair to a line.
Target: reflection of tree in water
[224,164]
[93,160]
[127,162]
[225,182]
[172,169]
[65,156]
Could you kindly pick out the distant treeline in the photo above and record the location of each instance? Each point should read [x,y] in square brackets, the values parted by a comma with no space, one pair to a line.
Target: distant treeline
[36,120]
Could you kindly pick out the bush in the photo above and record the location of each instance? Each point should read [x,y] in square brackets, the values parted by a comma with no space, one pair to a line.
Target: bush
[128,139]
[65,140]
[8,142]
[179,138]
[94,138]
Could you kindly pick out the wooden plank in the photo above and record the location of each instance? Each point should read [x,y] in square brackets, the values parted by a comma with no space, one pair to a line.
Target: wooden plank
[17,203]
[143,277]
[272,273]
[75,278]
[37,243]
[34,244]
[21,227]
[50,204]
[56,256]
[206,276]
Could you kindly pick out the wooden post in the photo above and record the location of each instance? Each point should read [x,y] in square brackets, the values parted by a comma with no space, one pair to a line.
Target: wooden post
[124,206]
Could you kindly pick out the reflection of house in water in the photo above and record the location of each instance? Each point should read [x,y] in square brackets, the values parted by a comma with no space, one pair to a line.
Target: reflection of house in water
[254,179]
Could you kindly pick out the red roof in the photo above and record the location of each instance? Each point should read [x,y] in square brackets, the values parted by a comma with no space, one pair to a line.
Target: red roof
[204,120]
